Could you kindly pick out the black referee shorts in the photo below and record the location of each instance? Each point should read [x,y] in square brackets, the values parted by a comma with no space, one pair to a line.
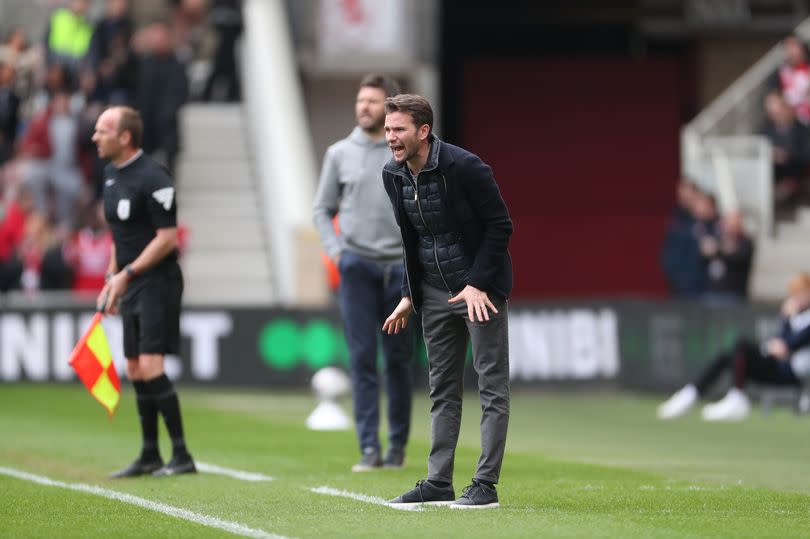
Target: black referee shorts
[151,315]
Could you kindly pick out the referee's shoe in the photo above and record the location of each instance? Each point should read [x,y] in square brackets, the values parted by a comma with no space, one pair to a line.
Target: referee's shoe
[141,466]
[179,464]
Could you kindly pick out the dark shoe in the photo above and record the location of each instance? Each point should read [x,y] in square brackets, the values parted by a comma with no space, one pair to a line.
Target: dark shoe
[176,466]
[394,458]
[426,493]
[369,461]
[139,467]
[477,496]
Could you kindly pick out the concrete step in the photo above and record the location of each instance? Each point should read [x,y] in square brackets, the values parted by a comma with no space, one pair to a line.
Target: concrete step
[203,290]
[226,259]
[218,199]
[221,146]
[210,116]
[198,213]
[224,240]
[777,260]
[222,234]
[803,216]
[232,265]
[199,174]
[793,233]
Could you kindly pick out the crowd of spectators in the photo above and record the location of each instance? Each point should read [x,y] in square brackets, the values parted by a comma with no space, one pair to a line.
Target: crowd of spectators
[706,255]
[787,116]
[53,87]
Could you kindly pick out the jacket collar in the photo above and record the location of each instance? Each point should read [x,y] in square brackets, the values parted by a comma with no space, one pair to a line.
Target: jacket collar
[433,161]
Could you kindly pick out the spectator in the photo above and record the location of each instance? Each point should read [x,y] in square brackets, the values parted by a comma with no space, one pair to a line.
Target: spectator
[87,253]
[51,146]
[91,165]
[14,211]
[26,61]
[781,360]
[9,112]
[791,146]
[111,58]
[678,241]
[66,179]
[68,35]
[37,239]
[728,261]
[162,90]
[188,19]
[226,18]
[792,79]
[681,258]
[57,79]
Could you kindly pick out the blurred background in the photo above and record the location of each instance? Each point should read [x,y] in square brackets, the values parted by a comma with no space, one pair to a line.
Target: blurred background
[653,154]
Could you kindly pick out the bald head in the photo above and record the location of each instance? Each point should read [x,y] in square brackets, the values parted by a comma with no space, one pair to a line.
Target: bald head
[119,132]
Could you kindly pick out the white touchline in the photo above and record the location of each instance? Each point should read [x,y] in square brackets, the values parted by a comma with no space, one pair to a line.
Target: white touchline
[329,491]
[204,520]
[236,474]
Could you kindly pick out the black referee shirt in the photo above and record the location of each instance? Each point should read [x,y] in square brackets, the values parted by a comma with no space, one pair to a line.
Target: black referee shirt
[139,198]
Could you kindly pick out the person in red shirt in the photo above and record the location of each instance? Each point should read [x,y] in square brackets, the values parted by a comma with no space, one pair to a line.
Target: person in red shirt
[87,251]
[13,215]
[792,78]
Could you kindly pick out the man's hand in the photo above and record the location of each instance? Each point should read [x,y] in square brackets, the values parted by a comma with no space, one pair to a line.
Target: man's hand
[101,300]
[477,302]
[399,318]
[790,307]
[777,348]
[115,288]
[708,246]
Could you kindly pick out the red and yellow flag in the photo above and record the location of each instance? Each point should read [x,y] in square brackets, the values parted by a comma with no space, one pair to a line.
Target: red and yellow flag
[92,361]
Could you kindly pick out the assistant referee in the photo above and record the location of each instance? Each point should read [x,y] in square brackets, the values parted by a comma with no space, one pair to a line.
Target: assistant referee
[144,281]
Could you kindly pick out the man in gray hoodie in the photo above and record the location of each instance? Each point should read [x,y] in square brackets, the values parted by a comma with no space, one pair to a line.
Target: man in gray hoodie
[368,254]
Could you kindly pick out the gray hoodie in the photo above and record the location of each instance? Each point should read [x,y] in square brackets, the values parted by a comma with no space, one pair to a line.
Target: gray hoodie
[351,186]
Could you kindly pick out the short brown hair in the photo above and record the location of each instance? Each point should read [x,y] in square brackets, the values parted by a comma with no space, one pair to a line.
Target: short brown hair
[386,84]
[130,120]
[417,106]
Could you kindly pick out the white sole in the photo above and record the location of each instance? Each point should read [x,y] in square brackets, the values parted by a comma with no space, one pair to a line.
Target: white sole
[485,506]
[363,469]
[415,504]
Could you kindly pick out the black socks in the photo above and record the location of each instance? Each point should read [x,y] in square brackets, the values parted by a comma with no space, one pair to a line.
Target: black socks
[158,395]
[165,397]
[148,413]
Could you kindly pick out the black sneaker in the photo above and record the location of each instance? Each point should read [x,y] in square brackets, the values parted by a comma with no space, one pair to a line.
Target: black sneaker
[477,496]
[141,466]
[176,466]
[369,461]
[426,493]
[394,458]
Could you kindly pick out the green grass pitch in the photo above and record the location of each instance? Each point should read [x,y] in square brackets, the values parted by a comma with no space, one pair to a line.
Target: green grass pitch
[577,465]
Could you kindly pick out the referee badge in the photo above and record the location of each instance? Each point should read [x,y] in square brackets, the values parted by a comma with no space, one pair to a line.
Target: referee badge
[123,209]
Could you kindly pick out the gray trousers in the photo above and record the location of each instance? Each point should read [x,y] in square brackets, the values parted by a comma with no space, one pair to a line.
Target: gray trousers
[447,330]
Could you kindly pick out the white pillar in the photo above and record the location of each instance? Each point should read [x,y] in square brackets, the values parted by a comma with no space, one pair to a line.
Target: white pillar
[282,148]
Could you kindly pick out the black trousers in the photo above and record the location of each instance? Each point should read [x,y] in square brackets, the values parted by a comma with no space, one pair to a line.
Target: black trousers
[10,273]
[747,362]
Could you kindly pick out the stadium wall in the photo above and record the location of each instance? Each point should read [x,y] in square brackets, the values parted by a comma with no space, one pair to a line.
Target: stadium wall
[639,345]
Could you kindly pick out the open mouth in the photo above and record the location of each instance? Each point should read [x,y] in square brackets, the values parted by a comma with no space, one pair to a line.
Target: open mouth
[397,150]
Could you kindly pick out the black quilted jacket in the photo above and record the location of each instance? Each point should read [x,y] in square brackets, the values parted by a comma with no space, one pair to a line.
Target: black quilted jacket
[476,216]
